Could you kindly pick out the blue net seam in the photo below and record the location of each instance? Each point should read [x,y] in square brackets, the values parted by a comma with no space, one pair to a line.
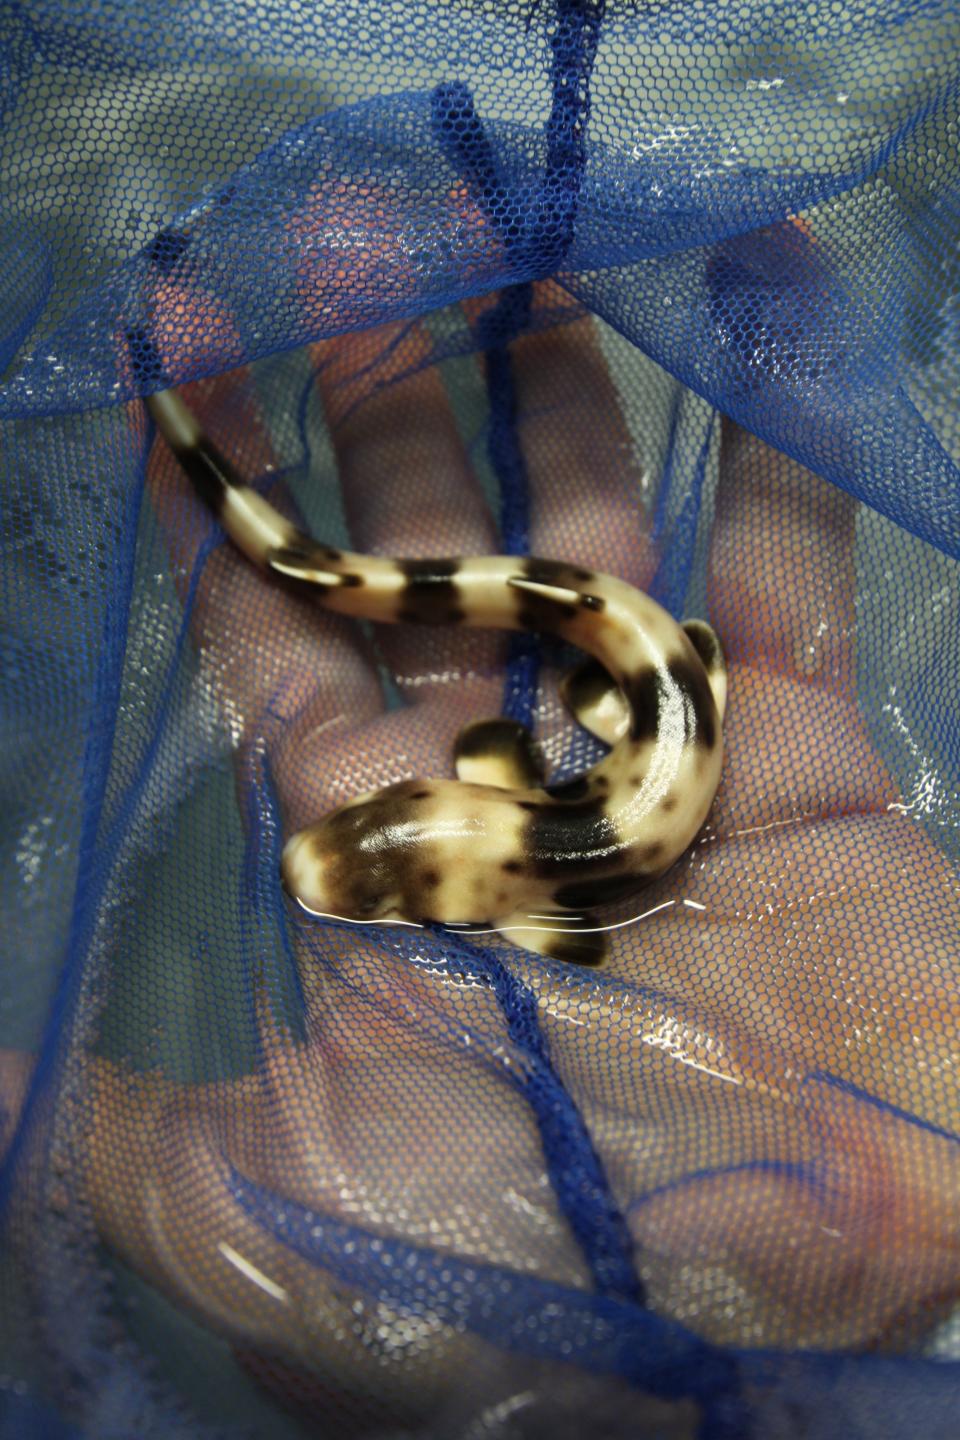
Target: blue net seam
[576,1172]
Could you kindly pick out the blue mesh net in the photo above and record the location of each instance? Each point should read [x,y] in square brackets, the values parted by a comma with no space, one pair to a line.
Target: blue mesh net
[668,290]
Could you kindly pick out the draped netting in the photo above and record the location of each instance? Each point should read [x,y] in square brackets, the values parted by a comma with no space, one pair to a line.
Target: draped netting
[668,290]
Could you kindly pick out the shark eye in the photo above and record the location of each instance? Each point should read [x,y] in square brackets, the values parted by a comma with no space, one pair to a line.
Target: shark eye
[369,907]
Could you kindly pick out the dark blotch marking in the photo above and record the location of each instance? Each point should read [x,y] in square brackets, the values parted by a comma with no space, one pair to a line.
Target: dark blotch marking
[430,879]
[668,803]
[539,612]
[511,867]
[576,948]
[430,569]
[705,642]
[692,679]
[210,472]
[303,549]
[358,882]
[605,890]
[555,572]
[643,694]
[431,596]
[421,795]
[576,789]
[506,740]
[572,836]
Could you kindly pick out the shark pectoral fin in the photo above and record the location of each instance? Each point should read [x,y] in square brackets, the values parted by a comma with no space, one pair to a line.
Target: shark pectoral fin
[576,939]
[498,752]
[595,701]
[298,569]
[298,556]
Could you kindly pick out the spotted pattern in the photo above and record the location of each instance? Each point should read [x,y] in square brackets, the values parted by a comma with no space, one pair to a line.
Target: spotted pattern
[505,852]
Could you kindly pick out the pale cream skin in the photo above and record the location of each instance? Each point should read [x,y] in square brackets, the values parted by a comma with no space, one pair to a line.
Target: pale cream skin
[492,848]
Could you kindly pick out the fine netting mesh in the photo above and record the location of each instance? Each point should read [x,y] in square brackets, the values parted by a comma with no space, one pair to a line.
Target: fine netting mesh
[670,290]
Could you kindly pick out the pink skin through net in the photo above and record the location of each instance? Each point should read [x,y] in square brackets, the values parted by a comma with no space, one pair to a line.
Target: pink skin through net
[771,977]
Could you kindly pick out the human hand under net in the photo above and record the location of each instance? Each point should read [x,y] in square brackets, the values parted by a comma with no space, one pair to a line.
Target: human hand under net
[734,1063]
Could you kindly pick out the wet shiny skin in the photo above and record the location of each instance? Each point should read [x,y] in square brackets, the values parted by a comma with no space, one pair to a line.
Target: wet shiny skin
[496,853]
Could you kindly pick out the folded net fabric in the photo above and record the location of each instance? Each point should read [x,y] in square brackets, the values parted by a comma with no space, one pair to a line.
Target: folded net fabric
[666,290]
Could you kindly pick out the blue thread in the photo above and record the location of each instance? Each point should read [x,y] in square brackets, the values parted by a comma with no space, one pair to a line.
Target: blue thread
[886,1107]
[575,1169]
[604,1334]
[495,330]
[462,134]
[538,252]
[574,46]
